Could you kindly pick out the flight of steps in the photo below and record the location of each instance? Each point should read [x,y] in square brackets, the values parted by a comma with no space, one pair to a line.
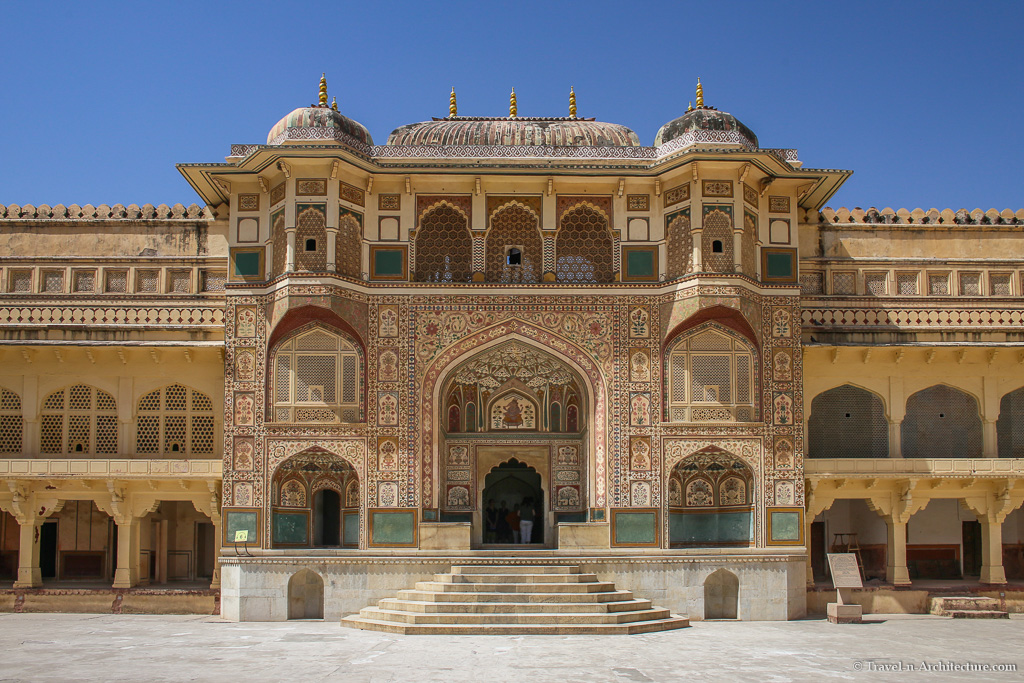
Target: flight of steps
[515,600]
[967,607]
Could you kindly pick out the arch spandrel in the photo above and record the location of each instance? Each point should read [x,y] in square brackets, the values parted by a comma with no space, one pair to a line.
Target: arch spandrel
[436,375]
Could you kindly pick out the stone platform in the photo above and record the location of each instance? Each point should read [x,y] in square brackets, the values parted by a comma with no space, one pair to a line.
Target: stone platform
[967,607]
[515,600]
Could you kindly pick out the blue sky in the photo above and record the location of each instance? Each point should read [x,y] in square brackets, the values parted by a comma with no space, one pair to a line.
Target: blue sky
[922,100]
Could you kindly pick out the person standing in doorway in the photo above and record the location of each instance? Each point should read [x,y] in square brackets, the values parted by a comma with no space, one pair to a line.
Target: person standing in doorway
[526,515]
[513,523]
[490,523]
[504,533]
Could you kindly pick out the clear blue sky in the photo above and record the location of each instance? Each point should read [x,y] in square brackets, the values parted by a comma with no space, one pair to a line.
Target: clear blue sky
[923,100]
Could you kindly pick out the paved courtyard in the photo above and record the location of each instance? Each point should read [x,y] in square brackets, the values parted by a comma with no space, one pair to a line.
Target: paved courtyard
[82,647]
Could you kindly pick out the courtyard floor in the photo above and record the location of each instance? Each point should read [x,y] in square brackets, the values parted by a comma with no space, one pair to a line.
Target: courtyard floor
[85,647]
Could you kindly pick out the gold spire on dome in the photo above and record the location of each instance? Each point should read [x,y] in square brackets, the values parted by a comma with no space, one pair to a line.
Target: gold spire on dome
[700,94]
[453,109]
[323,90]
[513,110]
[334,104]
[572,102]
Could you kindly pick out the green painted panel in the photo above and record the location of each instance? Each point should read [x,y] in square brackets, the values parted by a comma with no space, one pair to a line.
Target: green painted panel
[635,527]
[291,528]
[785,526]
[639,263]
[388,262]
[570,517]
[781,265]
[247,263]
[709,528]
[236,520]
[394,528]
[351,535]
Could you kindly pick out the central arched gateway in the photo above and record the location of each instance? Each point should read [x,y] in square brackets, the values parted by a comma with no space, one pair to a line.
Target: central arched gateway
[513,405]
[315,502]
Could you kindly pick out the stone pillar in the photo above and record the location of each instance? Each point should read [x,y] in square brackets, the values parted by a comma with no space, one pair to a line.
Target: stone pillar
[29,573]
[698,262]
[161,558]
[896,438]
[896,571]
[737,248]
[215,583]
[332,249]
[290,251]
[128,542]
[989,439]
[992,550]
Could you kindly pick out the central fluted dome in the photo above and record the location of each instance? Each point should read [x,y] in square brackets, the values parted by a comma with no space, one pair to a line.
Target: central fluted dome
[514,131]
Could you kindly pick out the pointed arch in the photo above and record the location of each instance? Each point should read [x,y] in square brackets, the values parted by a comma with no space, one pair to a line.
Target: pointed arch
[175,420]
[679,244]
[942,422]
[443,245]
[12,423]
[584,246]
[848,422]
[310,238]
[1010,425]
[79,419]
[348,249]
[514,225]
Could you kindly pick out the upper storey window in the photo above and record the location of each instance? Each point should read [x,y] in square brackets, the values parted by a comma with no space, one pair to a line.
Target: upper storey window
[583,247]
[444,247]
[79,420]
[316,379]
[11,422]
[176,421]
[711,378]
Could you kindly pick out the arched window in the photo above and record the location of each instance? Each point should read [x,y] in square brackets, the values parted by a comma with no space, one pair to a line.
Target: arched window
[680,245]
[79,419]
[941,422]
[11,422]
[444,247]
[583,247]
[280,243]
[711,501]
[711,378]
[470,417]
[556,418]
[349,248]
[749,253]
[847,422]
[716,242]
[175,421]
[1010,426]
[514,249]
[316,378]
[311,240]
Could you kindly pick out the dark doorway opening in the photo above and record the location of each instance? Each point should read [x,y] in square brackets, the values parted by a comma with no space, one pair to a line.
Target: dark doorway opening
[205,550]
[972,548]
[511,485]
[48,549]
[818,551]
[327,519]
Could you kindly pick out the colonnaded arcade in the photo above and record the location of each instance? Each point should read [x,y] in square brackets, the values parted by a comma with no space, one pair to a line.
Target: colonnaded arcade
[700,379]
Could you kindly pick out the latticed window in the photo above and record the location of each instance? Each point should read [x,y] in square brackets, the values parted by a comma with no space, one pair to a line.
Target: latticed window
[848,422]
[147,281]
[175,421]
[280,245]
[11,422]
[942,422]
[180,281]
[812,283]
[749,254]
[999,284]
[84,281]
[680,247]
[444,247]
[874,283]
[514,228]
[583,247]
[970,284]
[116,281]
[710,378]
[938,284]
[316,379]
[213,280]
[716,242]
[844,282]
[80,420]
[906,284]
[311,240]
[349,248]
[19,281]
[1010,426]
[53,281]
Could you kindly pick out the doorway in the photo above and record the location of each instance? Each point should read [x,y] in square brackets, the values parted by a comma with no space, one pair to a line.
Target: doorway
[971,532]
[326,519]
[510,489]
[48,549]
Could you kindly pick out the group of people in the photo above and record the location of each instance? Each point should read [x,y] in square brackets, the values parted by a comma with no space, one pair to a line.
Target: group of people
[502,525]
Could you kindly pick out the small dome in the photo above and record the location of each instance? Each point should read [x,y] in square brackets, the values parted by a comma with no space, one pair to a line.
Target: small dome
[706,124]
[316,124]
[514,131]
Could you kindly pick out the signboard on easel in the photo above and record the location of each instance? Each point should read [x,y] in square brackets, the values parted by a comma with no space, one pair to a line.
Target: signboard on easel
[845,577]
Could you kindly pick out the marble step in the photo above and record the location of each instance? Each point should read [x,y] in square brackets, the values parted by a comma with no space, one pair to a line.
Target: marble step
[452,596]
[647,626]
[445,618]
[398,604]
[977,614]
[442,587]
[942,605]
[516,578]
[514,569]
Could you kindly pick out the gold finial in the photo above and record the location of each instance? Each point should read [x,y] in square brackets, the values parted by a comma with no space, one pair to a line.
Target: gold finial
[334,104]
[512,108]
[323,90]
[572,102]
[700,94]
[453,109]
[690,108]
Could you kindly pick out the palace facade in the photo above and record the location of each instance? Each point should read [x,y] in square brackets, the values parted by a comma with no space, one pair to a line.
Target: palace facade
[317,381]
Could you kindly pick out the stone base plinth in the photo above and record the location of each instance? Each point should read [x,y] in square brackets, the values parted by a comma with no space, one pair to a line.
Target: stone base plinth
[845,614]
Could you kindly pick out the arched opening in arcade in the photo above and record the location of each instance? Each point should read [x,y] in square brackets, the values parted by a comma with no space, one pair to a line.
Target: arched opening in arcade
[513,428]
[315,502]
[711,501]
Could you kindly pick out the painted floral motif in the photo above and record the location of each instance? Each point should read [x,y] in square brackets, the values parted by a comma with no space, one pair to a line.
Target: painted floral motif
[387,455]
[567,497]
[387,321]
[675,492]
[782,323]
[245,365]
[639,323]
[639,454]
[785,493]
[783,365]
[293,494]
[783,409]
[640,409]
[783,453]
[458,497]
[567,455]
[640,493]
[733,491]
[699,494]
[243,454]
[387,408]
[245,406]
[640,365]
[352,494]
[245,323]
[458,456]
[387,364]
[387,494]
[243,493]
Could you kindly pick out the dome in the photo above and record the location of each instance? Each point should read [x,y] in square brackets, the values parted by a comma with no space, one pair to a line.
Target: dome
[706,124]
[315,124]
[514,131]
